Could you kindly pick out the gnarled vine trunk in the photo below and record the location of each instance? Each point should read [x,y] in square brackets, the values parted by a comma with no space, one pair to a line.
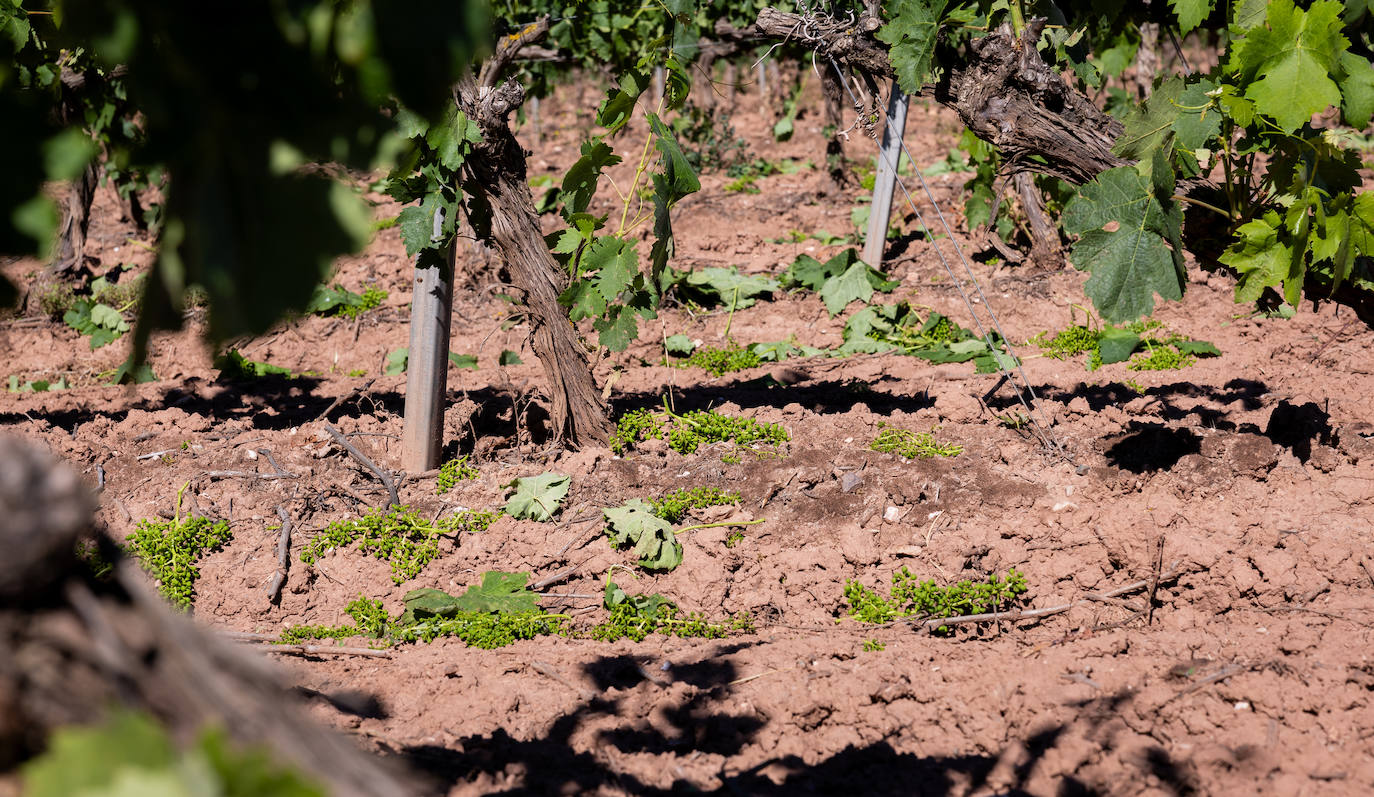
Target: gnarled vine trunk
[495,176]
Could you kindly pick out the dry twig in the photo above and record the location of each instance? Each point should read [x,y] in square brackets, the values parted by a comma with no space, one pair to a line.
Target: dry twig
[368,463]
[283,558]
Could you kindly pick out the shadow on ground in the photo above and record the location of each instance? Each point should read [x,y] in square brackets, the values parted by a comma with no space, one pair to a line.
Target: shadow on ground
[549,764]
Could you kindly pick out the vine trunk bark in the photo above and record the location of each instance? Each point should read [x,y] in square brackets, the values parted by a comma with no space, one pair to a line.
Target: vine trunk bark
[495,178]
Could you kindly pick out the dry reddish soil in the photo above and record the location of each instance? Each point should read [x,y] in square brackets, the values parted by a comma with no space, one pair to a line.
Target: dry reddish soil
[1254,470]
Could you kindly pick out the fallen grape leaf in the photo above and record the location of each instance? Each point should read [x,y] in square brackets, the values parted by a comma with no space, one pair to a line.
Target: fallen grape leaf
[537,497]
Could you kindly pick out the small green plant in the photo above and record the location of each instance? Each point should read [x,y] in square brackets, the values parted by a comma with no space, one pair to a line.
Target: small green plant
[454,471]
[718,362]
[1013,420]
[688,432]
[674,506]
[401,537]
[873,645]
[234,367]
[169,550]
[635,426]
[37,385]
[708,139]
[743,185]
[101,322]
[913,599]
[340,301]
[1107,345]
[636,616]
[703,427]
[369,620]
[357,372]
[1134,385]
[56,299]
[1161,358]
[735,537]
[912,445]
[499,611]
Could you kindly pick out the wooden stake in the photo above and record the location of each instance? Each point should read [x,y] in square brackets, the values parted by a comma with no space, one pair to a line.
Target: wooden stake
[427,374]
[880,212]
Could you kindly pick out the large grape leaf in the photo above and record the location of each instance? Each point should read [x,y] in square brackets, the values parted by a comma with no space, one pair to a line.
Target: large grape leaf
[911,32]
[635,523]
[1191,12]
[1259,257]
[1124,229]
[537,497]
[1288,61]
[615,261]
[851,286]
[1357,90]
[499,592]
[579,184]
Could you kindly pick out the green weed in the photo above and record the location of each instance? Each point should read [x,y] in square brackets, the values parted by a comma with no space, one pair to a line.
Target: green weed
[369,620]
[401,537]
[674,506]
[911,445]
[169,550]
[718,362]
[454,471]
[915,599]
[873,645]
[1161,358]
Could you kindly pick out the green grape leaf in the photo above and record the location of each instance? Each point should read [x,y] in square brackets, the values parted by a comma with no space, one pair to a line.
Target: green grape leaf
[468,361]
[1259,257]
[911,33]
[618,327]
[851,286]
[806,272]
[83,760]
[678,345]
[1150,126]
[537,497]
[1357,90]
[453,138]
[1123,228]
[127,374]
[679,179]
[509,357]
[616,262]
[774,352]
[1191,13]
[726,286]
[427,602]
[1287,63]
[499,593]
[397,361]
[583,300]
[417,227]
[1197,348]
[579,184]
[1117,345]
[618,108]
[634,523]
[1199,121]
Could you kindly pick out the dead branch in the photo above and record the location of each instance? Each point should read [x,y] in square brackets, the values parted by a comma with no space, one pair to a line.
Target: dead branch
[283,558]
[353,451]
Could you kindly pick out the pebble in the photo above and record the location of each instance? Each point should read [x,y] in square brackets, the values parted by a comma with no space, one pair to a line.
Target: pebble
[891,514]
[850,482]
